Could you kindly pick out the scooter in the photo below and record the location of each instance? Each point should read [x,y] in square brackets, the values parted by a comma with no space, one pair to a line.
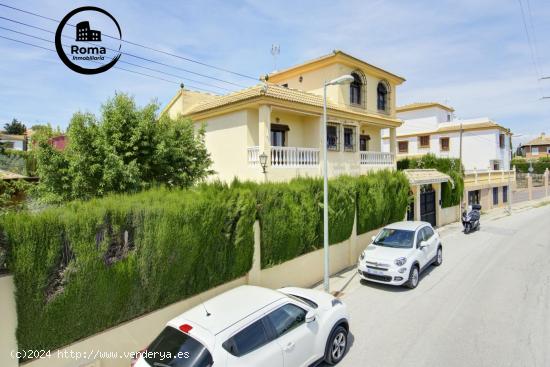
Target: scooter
[470,219]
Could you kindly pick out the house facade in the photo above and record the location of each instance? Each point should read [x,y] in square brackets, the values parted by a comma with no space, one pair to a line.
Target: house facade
[486,148]
[432,128]
[538,147]
[281,119]
[16,142]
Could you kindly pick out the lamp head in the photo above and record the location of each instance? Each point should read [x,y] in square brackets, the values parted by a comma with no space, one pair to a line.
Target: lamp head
[341,80]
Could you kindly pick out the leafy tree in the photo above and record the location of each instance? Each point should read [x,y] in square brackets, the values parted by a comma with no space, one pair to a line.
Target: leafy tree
[126,149]
[15,128]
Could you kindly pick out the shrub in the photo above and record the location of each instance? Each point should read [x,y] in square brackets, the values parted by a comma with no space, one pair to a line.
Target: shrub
[382,198]
[122,256]
[291,216]
[539,165]
[451,193]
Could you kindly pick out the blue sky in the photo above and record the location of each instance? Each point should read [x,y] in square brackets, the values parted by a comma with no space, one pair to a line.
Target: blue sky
[471,54]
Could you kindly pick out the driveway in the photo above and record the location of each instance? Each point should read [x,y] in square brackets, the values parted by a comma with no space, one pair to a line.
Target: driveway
[487,305]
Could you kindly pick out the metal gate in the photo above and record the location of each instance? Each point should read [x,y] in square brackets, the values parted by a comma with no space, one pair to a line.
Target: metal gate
[427,206]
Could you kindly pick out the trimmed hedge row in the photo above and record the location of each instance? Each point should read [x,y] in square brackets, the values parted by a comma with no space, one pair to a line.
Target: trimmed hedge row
[124,255]
[539,165]
[451,194]
[291,214]
[382,198]
[89,266]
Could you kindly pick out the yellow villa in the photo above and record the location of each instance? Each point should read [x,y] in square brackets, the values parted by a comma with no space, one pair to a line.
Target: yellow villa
[281,119]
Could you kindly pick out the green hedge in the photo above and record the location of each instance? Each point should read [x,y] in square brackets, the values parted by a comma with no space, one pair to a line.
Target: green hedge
[89,266]
[291,216]
[539,165]
[381,199]
[451,193]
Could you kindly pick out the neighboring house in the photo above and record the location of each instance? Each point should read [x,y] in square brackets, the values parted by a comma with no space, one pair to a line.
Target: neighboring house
[486,148]
[281,119]
[432,128]
[536,148]
[17,142]
[59,142]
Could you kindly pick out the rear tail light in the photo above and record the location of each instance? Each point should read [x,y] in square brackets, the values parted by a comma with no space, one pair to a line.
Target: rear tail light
[186,328]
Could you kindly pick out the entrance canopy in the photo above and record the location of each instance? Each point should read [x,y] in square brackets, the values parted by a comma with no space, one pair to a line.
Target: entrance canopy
[419,177]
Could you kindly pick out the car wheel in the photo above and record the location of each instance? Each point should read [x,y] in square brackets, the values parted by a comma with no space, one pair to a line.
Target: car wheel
[439,257]
[414,277]
[336,346]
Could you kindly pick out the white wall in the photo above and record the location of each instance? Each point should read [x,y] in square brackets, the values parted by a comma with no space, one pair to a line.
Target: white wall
[479,147]
[17,144]
[8,322]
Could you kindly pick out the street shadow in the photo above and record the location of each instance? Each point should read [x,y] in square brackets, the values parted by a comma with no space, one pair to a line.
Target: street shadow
[351,341]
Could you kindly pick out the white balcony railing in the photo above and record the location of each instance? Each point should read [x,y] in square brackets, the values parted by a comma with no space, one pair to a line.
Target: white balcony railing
[253,156]
[376,158]
[294,157]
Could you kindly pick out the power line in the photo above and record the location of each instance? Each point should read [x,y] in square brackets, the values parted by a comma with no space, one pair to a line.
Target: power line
[122,61]
[114,67]
[531,46]
[143,58]
[140,45]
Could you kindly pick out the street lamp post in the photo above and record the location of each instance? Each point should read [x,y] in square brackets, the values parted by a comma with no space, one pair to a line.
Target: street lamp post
[341,80]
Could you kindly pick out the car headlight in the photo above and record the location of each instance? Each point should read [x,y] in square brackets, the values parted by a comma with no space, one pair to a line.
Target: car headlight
[401,261]
[362,255]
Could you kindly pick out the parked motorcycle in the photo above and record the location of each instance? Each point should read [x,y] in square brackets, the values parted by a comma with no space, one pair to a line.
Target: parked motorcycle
[470,219]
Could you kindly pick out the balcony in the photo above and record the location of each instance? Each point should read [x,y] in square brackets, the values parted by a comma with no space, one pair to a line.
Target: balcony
[376,159]
[286,157]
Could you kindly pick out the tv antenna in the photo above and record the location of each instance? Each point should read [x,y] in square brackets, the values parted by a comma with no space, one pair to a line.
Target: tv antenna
[275,51]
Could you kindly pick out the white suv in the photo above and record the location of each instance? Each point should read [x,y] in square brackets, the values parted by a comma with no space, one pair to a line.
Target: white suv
[400,252]
[253,326]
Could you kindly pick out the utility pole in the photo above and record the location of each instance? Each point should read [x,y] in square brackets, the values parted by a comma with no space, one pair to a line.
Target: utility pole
[460,161]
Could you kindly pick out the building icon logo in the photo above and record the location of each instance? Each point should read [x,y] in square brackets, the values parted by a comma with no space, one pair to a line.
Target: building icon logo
[90,49]
[85,34]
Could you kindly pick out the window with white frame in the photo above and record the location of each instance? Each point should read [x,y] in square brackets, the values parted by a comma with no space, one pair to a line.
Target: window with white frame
[535,150]
[349,138]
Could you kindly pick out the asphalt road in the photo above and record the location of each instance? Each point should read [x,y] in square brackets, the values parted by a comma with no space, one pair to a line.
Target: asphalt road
[487,305]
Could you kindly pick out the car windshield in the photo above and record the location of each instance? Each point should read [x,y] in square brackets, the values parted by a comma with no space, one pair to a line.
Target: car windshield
[398,238]
[173,348]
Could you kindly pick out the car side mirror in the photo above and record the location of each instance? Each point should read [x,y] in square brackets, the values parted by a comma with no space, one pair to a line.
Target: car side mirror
[311,316]
[423,244]
[373,238]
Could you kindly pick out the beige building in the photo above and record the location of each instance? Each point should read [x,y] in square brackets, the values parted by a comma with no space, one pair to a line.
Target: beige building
[281,119]
[538,147]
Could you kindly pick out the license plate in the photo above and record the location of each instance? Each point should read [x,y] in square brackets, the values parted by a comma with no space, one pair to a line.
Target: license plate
[375,272]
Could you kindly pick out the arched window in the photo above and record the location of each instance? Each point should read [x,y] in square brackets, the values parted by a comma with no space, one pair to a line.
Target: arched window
[355,90]
[382,96]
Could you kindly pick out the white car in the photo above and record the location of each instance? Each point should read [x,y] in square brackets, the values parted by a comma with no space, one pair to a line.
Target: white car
[253,326]
[400,252]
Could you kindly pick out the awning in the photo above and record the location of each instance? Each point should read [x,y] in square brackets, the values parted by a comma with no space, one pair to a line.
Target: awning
[426,176]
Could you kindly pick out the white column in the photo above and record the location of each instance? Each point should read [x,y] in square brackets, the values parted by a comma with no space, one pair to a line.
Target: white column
[264,131]
[546,174]
[255,273]
[393,143]
[417,202]
[438,204]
